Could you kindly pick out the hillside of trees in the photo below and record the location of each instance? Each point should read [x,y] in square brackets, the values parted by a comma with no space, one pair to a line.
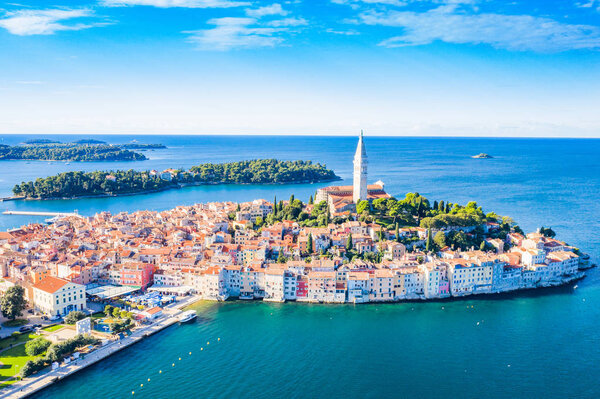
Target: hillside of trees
[78,184]
[69,152]
[263,171]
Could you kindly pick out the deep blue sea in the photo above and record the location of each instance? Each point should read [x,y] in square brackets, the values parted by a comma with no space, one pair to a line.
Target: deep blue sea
[534,344]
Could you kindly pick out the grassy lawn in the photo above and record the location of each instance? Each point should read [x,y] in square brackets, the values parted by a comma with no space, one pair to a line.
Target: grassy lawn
[98,315]
[13,361]
[21,338]
[53,328]
[15,323]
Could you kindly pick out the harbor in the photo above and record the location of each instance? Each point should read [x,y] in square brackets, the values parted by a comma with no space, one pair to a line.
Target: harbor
[28,386]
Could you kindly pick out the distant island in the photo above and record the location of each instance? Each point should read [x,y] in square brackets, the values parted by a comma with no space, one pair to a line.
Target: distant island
[482,155]
[78,151]
[128,182]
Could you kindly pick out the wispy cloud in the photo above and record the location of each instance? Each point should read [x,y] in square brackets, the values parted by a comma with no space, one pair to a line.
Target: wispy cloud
[232,33]
[288,22]
[512,32]
[349,32]
[273,9]
[355,3]
[46,22]
[175,3]
[29,82]
[589,4]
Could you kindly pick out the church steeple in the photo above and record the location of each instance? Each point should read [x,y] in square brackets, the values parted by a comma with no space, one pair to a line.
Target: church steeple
[360,171]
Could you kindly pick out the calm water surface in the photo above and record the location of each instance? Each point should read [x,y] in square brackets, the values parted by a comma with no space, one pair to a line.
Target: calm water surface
[536,344]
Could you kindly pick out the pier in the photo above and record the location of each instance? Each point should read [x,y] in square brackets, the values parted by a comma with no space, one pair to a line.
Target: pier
[37,382]
[32,213]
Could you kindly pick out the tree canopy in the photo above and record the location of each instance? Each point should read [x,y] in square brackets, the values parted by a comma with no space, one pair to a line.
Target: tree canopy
[13,302]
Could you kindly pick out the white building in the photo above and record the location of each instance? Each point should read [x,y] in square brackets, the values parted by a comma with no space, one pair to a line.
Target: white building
[55,296]
[359,192]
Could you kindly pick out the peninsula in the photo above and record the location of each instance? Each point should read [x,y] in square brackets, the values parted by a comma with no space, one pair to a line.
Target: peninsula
[80,151]
[120,182]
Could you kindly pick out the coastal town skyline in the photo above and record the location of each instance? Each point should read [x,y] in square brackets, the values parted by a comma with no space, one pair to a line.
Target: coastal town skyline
[444,68]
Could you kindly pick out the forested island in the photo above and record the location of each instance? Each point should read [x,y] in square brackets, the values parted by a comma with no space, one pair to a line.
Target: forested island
[126,182]
[80,151]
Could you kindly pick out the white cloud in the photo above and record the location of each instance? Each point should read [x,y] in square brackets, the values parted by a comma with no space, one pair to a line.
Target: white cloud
[45,22]
[350,32]
[175,3]
[398,3]
[512,32]
[589,4]
[231,33]
[273,9]
[288,22]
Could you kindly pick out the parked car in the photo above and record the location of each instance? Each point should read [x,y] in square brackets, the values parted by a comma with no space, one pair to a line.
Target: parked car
[25,329]
[55,317]
[30,311]
[37,326]
[44,317]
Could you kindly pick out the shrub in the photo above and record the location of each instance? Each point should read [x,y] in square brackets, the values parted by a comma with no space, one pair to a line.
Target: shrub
[74,316]
[33,366]
[37,346]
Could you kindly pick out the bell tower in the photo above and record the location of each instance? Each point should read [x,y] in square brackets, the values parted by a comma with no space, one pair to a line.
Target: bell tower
[359,188]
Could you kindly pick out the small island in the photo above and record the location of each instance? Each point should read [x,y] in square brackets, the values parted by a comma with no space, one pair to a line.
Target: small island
[79,151]
[482,155]
[128,182]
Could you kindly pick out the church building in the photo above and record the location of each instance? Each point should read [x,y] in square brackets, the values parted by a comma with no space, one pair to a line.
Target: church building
[343,199]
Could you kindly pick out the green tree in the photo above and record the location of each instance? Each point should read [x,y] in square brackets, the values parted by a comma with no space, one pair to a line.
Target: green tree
[309,244]
[280,257]
[482,246]
[108,309]
[429,242]
[397,233]
[362,206]
[349,244]
[37,346]
[13,302]
[116,313]
[310,200]
[440,239]
[74,316]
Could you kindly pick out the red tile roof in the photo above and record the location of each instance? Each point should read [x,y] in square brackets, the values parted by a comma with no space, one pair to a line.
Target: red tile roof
[51,284]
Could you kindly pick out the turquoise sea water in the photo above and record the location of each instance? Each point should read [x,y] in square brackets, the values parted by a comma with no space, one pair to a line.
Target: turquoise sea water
[549,338]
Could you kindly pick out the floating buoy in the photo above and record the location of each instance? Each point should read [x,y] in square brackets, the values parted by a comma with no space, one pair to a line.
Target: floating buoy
[201,349]
[173,364]
[190,353]
[218,339]
[132,392]
[583,299]
[141,385]
[442,308]
[179,358]
[477,323]
[159,371]
[508,365]
[207,343]
[148,379]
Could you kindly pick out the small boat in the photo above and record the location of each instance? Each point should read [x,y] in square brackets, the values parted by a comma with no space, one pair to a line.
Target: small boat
[187,316]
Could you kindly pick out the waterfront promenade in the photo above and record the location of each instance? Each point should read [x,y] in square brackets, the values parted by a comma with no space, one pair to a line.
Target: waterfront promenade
[37,382]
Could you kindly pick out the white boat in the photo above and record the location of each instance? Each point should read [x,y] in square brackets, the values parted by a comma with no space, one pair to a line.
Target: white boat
[187,316]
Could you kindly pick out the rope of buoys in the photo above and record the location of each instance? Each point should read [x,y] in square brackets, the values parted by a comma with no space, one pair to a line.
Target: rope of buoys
[173,364]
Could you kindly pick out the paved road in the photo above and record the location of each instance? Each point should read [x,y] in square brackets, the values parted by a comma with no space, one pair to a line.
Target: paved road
[33,384]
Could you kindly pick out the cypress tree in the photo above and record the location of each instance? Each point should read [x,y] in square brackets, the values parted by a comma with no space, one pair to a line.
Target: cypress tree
[435,205]
[428,245]
[349,242]
[291,199]
[309,244]
[310,200]
[397,233]
[441,206]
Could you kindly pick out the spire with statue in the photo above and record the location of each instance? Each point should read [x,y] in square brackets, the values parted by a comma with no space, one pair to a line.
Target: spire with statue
[359,188]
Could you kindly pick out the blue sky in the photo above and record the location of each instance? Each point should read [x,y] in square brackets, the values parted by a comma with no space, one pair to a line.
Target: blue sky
[391,67]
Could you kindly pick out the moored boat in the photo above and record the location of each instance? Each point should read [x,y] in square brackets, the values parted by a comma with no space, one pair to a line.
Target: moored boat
[187,316]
